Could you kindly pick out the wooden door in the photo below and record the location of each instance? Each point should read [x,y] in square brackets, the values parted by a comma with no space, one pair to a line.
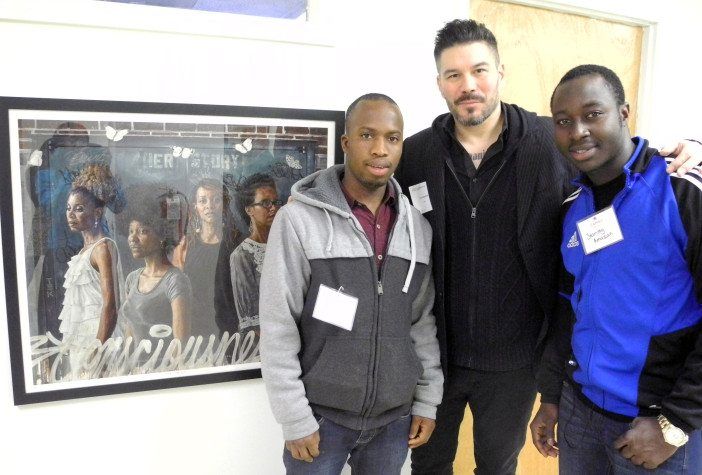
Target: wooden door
[538,46]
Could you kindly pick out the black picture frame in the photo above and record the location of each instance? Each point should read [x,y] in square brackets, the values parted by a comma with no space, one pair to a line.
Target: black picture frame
[178,143]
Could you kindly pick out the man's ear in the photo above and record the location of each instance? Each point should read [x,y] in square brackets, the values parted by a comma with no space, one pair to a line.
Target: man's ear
[624,111]
[501,74]
[344,142]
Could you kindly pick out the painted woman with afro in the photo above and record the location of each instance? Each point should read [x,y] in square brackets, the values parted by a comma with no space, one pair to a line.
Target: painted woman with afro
[91,283]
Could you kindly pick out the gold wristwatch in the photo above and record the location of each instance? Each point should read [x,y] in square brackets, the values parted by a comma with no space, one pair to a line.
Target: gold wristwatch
[672,434]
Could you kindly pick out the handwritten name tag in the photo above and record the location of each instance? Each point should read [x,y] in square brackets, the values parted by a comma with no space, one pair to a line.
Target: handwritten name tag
[599,230]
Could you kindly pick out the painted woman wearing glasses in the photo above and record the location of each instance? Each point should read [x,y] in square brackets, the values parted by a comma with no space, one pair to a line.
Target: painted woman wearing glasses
[258,202]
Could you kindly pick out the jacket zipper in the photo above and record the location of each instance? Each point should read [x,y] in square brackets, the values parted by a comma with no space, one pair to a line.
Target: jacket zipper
[472,292]
[370,400]
[376,338]
[593,268]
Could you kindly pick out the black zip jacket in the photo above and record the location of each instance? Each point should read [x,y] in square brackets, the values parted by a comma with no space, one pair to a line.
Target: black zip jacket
[542,183]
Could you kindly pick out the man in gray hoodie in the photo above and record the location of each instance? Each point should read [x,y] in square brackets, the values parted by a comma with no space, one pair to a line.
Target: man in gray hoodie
[348,339]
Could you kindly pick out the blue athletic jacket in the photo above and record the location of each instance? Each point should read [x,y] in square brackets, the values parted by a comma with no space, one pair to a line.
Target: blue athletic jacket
[634,342]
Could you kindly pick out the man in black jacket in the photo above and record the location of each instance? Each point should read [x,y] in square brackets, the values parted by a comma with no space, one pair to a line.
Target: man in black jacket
[490,180]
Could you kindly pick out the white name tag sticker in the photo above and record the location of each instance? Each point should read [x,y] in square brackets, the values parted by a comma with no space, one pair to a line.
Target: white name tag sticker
[420,197]
[599,230]
[335,307]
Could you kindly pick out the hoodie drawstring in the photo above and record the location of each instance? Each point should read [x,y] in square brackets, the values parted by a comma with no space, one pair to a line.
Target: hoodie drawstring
[413,249]
[331,231]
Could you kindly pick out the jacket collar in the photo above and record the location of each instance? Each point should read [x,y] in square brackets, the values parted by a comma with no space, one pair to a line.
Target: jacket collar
[638,163]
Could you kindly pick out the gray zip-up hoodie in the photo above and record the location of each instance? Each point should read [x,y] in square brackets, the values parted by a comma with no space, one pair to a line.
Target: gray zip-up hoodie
[388,364]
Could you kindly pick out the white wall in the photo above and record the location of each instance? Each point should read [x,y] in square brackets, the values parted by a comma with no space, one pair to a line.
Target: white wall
[376,45]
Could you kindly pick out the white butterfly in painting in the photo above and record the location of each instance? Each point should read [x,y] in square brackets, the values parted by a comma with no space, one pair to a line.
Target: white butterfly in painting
[293,162]
[114,134]
[245,146]
[184,152]
[35,159]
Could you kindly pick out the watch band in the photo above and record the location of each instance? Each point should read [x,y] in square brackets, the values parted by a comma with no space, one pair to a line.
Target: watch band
[671,433]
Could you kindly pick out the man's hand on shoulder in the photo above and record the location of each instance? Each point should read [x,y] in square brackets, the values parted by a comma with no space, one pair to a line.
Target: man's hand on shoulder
[306,448]
[643,444]
[420,431]
[543,430]
[688,154]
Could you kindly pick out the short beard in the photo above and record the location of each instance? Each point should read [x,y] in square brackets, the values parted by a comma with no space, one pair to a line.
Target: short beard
[475,121]
[472,122]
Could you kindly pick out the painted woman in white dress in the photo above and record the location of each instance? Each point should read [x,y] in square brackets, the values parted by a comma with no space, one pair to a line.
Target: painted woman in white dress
[91,284]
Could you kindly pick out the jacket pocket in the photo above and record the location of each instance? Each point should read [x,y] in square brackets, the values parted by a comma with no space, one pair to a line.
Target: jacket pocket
[399,370]
[338,379]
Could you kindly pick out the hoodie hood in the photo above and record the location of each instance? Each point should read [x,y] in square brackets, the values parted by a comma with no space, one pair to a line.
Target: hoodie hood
[322,189]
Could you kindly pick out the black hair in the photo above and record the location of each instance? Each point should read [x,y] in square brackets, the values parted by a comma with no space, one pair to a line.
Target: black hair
[371,96]
[609,76]
[148,204]
[459,32]
[246,192]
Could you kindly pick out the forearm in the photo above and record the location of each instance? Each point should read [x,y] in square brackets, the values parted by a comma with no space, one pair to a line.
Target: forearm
[283,286]
[105,260]
[552,368]
[683,406]
[429,390]
[282,373]
[181,319]
[246,294]
[108,321]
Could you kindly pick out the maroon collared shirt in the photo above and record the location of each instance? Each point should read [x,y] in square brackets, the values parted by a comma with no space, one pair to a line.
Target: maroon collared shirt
[378,227]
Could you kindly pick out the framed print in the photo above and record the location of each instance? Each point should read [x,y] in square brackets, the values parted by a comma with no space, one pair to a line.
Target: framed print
[133,235]
[292,21]
[289,9]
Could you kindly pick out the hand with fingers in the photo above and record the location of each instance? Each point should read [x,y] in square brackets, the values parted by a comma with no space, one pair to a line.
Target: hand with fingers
[543,430]
[688,154]
[643,444]
[420,431]
[305,448]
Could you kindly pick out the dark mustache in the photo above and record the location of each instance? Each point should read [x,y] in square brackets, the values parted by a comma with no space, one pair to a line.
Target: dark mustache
[469,97]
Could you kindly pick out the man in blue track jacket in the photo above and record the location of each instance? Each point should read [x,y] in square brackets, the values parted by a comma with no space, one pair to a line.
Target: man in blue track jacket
[622,369]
